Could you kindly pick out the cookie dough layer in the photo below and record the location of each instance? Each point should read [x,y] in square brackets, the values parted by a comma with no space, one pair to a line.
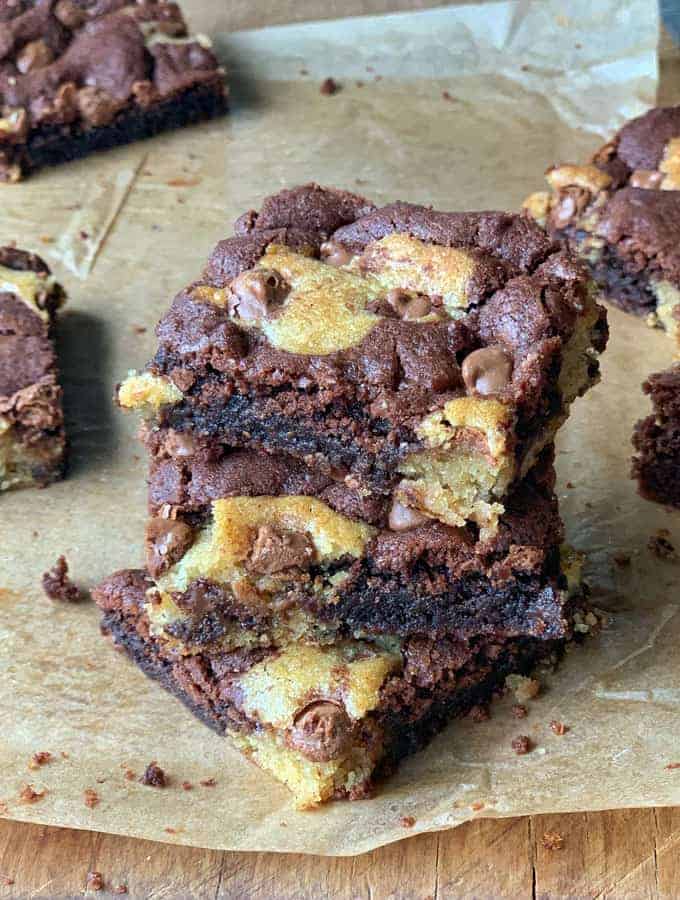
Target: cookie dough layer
[656,439]
[429,354]
[328,722]
[80,76]
[32,440]
[620,213]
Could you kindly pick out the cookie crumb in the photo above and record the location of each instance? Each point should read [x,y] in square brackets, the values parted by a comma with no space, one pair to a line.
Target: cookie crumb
[154,776]
[476,806]
[130,775]
[170,830]
[139,329]
[522,744]
[94,881]
[28,794]
[522,687]
[329,86]
[187,786]
[91,798]
[660,545]
[40,759]
[479,713]
[448,97]
[119,889]
[208,782]
[553,840]
[558,727]
[520,711]
[6,881]
[58,586]
[675,765]
[407,821]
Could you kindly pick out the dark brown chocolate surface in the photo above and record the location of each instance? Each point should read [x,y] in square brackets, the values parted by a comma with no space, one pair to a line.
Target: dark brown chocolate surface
[358,408]
[87,72]
[656,439]
[30,394]
[439,681]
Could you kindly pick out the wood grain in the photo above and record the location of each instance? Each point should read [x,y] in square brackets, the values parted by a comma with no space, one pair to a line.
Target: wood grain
[627,853]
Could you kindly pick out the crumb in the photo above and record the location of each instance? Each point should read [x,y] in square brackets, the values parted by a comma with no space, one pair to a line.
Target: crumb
[208,782]
[58,586]
[329,86]
[553,840]
[183,182]
[524,67]
[6,881]
[520,711]
[660,545]
[578,46]
[378,78]
[570,484]
[130,775]
[407,821]
[476,806]
[28,794]
[673,765]
[359,84]
[84,235]
[154,776]
[170,830]
[304,71]
[522,744]
[64,754]
[559,727]
[187,786]
[447,96]
[622,559]
[91,798]
[523,688]
[119,889]
[94,881]
[139,329]
[39,759]
[3,808]
[46,239]
[479,713]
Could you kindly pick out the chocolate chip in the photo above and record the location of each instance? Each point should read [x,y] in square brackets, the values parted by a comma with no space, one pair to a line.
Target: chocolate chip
[487,371]
[275,551]
[34,55]
[335,254]
[403,518]
[69,13]
[408,306]
[255,294]
[96,106]
[321,731]
[646,178]
[166,541]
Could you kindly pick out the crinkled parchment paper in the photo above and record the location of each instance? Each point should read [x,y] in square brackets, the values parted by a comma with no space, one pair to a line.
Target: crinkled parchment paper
[527,84]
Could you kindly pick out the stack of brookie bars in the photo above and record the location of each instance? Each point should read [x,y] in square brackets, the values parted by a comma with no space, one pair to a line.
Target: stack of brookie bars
[353,533]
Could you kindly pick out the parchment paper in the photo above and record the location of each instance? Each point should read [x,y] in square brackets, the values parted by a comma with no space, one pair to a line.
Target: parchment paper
[529,85]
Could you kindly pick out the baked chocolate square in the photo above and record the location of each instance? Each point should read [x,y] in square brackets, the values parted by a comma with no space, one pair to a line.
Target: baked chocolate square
[32,440]
[78,76]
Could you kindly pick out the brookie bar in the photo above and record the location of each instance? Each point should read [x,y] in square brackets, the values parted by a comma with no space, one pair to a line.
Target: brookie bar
[78,76]
[326,721]
[409,354]
[32,437]
[621,213]
[656,439]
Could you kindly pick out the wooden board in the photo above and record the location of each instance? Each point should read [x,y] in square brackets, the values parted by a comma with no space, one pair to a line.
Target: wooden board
[628,853]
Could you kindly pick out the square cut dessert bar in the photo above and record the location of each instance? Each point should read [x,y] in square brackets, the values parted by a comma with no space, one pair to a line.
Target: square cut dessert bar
[254,549]
[32,440]
[656,464]
[327,721]
[621,213]
[83,75]
[410,354]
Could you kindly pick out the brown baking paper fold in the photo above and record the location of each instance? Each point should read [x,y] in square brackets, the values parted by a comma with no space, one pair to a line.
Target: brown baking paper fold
[526,86]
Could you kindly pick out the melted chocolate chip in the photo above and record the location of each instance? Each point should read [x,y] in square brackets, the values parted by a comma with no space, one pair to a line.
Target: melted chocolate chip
[646,178]
[321,731]
[166,541]
[487,371]
[69,13]
[275,551]
[403,518]
[255,294]
[408,306]
[34,55]
[335,254]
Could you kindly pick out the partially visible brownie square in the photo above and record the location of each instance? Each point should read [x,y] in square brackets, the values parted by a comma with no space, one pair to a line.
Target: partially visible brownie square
[83,75]
[32,439]
[656,439]
[621,212]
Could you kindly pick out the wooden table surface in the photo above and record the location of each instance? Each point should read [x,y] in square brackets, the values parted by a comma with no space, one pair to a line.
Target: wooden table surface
[624,853]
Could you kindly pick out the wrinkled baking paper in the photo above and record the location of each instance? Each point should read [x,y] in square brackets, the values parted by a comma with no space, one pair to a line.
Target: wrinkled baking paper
[529,84]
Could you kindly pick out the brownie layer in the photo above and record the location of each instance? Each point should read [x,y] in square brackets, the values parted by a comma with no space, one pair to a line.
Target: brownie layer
[443,348]
[656,439]
[78,76]
[256,540]
[620,213]
[32,439]
[325,721]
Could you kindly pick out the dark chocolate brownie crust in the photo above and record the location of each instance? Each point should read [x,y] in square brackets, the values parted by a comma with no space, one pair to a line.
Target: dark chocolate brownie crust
[656,439]
[438,681]
[358,408]
[83,75]
[30,394]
